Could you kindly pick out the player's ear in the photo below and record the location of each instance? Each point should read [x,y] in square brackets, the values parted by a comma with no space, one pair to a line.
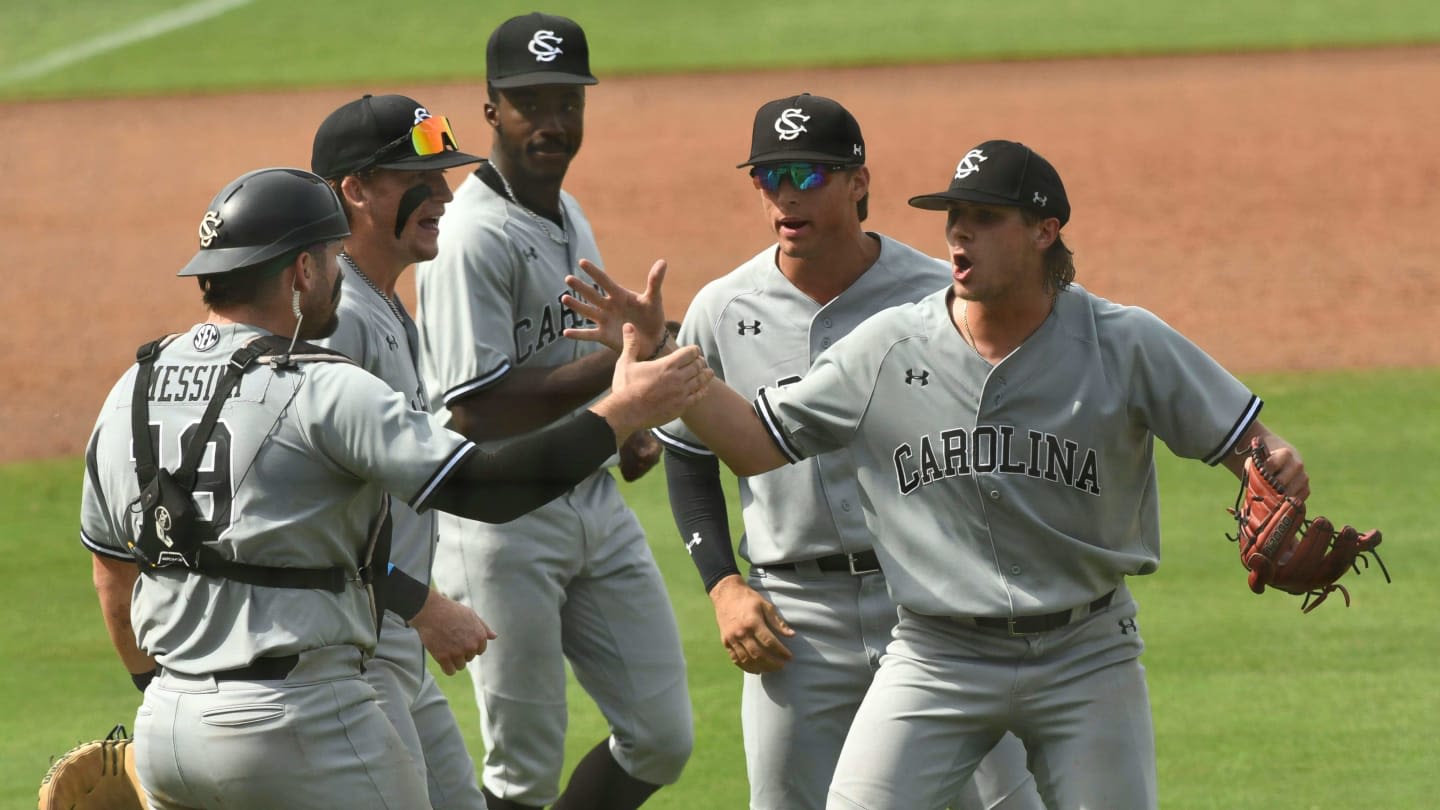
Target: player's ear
[1046,232]
[859,183]
[492,115]
[352,190]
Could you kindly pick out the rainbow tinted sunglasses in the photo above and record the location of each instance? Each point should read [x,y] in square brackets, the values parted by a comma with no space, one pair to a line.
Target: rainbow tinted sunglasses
[803,176]
[431,136]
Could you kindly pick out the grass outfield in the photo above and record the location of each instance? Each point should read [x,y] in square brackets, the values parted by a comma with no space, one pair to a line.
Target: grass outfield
[282,43]
[1255,705]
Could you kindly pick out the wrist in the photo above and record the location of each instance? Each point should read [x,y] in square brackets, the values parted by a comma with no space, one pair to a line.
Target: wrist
[660,347]
[720,587]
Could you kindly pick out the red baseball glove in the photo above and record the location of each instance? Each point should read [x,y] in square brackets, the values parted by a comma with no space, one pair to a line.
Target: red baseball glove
[1282,549]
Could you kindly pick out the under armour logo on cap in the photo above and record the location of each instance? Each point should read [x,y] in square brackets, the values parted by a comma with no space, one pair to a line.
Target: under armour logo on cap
[546,46]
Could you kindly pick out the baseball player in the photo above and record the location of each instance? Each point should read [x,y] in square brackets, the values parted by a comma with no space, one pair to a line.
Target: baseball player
[809,624]
[385,157]
[235,504]
[574,580]
[1002,430]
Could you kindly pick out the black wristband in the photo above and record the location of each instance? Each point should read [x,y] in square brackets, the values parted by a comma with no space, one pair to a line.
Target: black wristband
[143,679]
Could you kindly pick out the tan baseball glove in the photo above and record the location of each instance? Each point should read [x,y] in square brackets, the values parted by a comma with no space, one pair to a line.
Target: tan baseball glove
[1282,549]
[96,775]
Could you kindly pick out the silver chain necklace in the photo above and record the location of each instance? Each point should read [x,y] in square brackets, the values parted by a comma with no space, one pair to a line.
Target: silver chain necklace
[355,268]
[545,224]
[965,321]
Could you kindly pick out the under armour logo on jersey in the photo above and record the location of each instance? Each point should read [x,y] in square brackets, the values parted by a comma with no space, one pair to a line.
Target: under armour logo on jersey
[911,377]
[545,45]
[1126,625]
[392,342]
[420,115]
[788,125]
[969,164]
[692,543]
[749,328]
[531,253]
[1040,199]
[210,228]
[206,337]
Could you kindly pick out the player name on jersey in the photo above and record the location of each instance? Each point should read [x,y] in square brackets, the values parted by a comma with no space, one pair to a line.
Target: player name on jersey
[991,449]
[188,383]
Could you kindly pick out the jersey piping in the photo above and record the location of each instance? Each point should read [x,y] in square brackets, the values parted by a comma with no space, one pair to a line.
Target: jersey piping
[1251,412]
[441,474]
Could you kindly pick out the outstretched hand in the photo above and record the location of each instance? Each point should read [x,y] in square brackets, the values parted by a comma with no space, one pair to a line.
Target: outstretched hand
[612,306]
[646,394]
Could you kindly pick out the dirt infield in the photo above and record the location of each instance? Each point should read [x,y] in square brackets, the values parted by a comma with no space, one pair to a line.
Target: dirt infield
[1307,182]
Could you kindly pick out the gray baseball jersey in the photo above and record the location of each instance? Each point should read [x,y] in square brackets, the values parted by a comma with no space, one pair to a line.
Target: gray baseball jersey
[756,330]
[1020,489]
[575,578]
[295,474]
[378,333]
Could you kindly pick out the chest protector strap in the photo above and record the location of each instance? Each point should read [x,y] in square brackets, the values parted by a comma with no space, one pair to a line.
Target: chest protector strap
[166,503]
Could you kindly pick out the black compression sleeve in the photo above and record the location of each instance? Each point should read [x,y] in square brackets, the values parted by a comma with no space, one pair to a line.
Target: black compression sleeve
[697,500]
[502,483]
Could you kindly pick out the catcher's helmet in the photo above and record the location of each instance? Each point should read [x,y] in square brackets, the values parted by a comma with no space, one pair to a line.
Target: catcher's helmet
[264,214]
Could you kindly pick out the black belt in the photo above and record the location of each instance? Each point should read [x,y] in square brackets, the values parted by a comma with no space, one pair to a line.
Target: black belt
[863,563]
[261,669]
[1026,625]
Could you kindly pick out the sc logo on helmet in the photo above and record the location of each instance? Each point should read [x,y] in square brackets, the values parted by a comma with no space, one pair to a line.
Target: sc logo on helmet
[210,228]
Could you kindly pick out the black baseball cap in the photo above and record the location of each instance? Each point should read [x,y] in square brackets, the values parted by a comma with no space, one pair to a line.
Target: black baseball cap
[1003,173]
[536,49]
[374,132]
[805,128]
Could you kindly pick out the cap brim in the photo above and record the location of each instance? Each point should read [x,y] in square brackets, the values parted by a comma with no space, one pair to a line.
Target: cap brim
[420,163]
[941,200]
[792,157]
[542,77]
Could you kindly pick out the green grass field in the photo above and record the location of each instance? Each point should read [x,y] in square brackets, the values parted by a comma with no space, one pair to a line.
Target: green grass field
[281,43]
[1255,705]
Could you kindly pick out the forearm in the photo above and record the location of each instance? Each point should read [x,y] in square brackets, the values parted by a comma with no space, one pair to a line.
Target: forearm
[114,583]
[528,399]
[499,484]
[697,502]
[727,423]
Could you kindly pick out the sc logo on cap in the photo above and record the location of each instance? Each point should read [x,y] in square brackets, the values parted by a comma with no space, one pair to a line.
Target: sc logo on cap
[545,45]
[969,164]
[788,125]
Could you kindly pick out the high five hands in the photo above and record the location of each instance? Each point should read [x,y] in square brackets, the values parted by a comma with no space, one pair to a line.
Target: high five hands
[654,380]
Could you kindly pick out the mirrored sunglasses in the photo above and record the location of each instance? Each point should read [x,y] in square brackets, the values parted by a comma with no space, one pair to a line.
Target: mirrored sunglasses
[431,136]
[804,176]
